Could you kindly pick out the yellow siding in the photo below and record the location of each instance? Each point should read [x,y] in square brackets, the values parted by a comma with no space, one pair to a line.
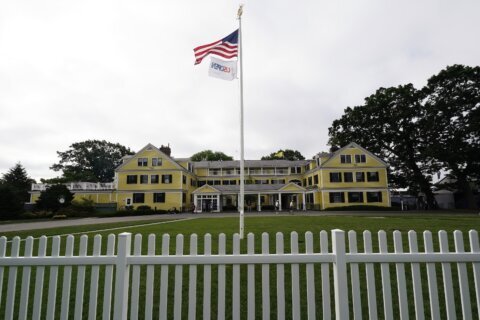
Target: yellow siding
[384,203]
[132,163]
[176,180]
[370,161]
[201,172]
[172,200]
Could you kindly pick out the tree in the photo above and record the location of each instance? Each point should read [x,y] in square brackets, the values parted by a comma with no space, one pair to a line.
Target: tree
[91,160]
[209,155]
[451,121]
[55,197]
[387,126]
[286,154]
[18,179]
[10,202]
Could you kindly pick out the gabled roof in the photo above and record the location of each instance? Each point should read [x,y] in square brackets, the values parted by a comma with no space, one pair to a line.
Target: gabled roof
[353,144]
[150,146]
[207,186]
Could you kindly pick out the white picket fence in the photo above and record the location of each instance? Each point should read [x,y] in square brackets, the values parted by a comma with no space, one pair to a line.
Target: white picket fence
[123,281]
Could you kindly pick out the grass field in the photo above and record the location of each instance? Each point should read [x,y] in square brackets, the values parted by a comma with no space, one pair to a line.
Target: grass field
[271,225]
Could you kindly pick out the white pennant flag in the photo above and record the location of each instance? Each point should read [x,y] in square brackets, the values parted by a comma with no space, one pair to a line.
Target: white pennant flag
[226,70]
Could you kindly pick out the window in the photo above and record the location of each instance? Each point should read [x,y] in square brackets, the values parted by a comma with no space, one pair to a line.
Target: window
[309,198]
[144,178]
[261,181]
[156,162]
[360,158]
[309,181]
[200,183]
[184,179]
[296,170]
[374,196]
[345,158]
[307,167]
[335,177]
[315,179]
[304,182]
[154,178]
[348,176]
[360,176]
[159,197]
[138,197]
[131,179]
[337,197]
[372,176]
[216,182]
[355,197]
[229,182]
[192,182]
[166,178]
[142,162]
[214,172]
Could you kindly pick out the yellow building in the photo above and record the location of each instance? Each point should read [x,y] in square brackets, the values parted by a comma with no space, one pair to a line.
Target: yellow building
[350,176]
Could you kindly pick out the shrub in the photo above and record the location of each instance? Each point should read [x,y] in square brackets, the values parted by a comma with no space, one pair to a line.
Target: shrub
[361,208]
[55,197]
[11,206]
[229,207]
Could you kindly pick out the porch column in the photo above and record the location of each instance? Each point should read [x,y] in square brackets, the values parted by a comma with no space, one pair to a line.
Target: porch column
[304,205]
[195,203]
[279,202]
[259,204]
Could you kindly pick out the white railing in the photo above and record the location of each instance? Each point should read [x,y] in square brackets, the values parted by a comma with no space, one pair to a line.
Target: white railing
[144,282]
[76,186]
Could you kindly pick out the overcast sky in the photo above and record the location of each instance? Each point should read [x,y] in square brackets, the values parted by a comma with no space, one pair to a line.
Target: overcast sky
[123,71]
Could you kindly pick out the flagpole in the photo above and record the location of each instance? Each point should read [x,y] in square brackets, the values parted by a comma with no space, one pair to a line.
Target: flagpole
[242,159]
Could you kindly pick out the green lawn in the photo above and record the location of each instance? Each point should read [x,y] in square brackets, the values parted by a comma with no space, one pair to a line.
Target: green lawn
[258,225]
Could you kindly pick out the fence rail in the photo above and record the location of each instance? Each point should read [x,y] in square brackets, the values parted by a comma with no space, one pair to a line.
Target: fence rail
[242,279]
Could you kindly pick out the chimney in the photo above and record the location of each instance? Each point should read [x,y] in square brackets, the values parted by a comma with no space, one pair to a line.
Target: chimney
[166,149]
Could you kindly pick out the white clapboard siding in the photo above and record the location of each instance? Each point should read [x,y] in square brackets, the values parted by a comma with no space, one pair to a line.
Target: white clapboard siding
[122,295]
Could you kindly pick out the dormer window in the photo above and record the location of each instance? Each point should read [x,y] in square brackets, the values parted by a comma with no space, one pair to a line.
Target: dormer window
[156,162]
[360,158]
[142,162]
[345,158]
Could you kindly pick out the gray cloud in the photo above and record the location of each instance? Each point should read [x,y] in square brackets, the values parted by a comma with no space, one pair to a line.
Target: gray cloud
[123,71]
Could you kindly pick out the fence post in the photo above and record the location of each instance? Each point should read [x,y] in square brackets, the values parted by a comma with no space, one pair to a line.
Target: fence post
[340,275]
[122,277]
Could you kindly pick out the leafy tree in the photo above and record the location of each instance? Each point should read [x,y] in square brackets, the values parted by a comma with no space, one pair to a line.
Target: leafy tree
[18,179]
[209,155]
[10,202]
[55,197]
[286,154]
[451,120]
[91,160]
[387,126]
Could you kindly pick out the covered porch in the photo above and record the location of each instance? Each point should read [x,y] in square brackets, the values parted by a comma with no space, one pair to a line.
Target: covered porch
[258,197]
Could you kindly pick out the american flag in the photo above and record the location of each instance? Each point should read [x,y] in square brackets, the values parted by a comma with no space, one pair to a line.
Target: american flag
[226,48]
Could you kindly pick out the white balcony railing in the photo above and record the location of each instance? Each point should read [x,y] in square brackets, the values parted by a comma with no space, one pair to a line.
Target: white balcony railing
[76,186]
